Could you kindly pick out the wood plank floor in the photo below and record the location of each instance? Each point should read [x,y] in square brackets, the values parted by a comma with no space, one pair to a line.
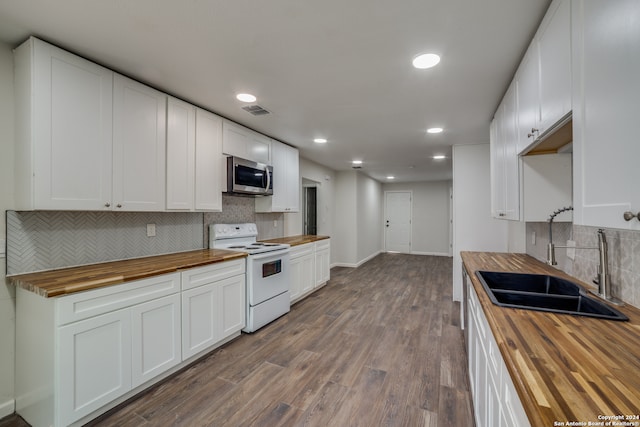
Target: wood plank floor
[379,345]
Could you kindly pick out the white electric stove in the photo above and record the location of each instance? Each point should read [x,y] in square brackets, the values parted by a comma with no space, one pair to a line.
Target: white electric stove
[267,271]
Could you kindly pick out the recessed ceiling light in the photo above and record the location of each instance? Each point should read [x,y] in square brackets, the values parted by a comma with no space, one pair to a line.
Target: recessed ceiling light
[245,97]
[357,162]
[426,60]
[439,157]
[434,130]
[320,141]
[391,177]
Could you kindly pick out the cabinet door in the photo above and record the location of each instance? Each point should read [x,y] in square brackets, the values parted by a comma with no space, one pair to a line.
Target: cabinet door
[511,160]
[71,130]
[94,364]
[322,267]
[200,319]
[234,140]
[233,305]
[155,338]
[209,162]
[286,181]
[496,149]
[245,143]
[181,154]
[139,146]
[295,290]
[554,46]
[606,92]
[308,273]
[528,97]
[259,148]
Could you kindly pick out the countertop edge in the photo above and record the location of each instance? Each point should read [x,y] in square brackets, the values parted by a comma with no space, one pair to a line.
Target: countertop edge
[28,281]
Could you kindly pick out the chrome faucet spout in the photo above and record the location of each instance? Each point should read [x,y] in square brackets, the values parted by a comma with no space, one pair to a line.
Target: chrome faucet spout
[551,251]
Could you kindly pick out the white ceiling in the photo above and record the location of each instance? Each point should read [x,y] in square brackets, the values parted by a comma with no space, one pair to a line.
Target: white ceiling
[339,69]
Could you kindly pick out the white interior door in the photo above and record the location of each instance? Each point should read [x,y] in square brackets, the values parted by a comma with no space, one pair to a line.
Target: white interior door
[397,235]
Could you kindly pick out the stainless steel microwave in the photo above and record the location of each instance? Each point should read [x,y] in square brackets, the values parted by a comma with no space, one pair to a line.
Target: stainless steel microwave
[248,177]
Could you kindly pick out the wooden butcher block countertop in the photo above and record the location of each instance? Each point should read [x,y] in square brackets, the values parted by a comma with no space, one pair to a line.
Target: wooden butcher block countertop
[566,368]
[70,280]
[297,240]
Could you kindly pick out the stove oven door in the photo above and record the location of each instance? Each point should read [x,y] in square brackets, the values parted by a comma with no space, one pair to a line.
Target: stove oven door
[267,275]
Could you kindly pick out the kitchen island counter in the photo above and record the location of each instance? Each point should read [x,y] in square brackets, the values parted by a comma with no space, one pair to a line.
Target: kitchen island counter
[565,368]
[67,281]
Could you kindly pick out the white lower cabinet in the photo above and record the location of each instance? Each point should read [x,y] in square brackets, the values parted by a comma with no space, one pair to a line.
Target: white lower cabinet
[303,270]
[310,265]
[213,305]
[323,260]
[77,356]
[94,365]
[494,397]
[155,332]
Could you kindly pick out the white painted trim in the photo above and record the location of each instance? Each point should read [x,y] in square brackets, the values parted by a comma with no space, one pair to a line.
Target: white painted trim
[350,265]
[3,248]
[431,253]
[7,408]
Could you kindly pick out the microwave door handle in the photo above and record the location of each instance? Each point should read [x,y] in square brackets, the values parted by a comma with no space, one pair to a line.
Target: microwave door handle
[268,179]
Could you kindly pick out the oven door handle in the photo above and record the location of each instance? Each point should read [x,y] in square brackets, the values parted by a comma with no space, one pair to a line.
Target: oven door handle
[269,254]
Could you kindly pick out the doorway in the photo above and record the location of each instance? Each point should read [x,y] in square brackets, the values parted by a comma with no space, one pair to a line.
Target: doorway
[397,208]
[309,207]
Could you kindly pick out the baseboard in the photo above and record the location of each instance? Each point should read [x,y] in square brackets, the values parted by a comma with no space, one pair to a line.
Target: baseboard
[7,408]
[358,264]
[431,253]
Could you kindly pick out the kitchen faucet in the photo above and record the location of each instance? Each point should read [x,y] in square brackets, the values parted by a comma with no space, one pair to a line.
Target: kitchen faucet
[603,279]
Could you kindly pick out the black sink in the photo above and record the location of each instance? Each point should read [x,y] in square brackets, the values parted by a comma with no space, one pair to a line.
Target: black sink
[544,293]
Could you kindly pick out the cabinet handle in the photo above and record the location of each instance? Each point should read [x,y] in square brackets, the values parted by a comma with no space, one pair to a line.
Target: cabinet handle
[628,216]
[118,205]
[533,132]
[107,205]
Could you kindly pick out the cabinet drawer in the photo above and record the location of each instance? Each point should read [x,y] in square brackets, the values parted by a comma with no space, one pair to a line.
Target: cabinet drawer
[301,250]
[212,273]
[92,303]
[323,244]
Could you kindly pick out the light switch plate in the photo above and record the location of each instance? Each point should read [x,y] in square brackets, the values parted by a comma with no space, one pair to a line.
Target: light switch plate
[571,249]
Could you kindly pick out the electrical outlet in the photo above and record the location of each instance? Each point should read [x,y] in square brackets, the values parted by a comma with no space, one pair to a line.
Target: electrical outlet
[533,238]
[151,230]
[275,223]
[571,249]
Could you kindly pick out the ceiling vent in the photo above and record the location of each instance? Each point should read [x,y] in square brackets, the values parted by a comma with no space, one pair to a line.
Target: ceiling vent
[256,110]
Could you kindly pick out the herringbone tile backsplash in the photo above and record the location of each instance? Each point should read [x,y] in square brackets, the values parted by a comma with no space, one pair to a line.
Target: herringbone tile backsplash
[45,240]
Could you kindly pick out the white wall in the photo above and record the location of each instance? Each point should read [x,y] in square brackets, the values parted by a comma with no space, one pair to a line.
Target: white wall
[430,215]
[7,292]
[369,217]
[326,184]
[346,230]
[474,229]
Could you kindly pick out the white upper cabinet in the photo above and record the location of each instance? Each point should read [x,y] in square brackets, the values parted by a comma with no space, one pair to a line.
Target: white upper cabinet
[139,146]
[194,158]
[87,138]
[209,162]
[528,98]
[606,66]
[554,48]
[245,143]
[181,154]
[286,181]
[544,78]
[505,177]
[63,129]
